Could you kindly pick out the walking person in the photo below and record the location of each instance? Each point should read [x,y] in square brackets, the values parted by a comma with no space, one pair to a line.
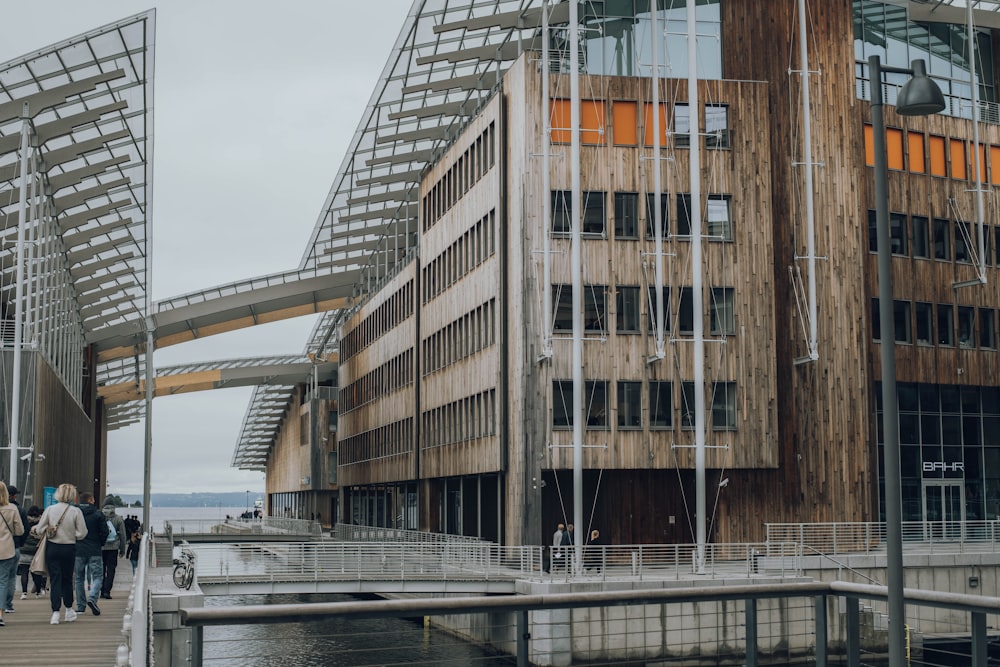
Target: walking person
[63,524]
[89,562]
[133,550]
[594,551]
[113,549]
[557,553]
[8,602]
[28,552]
[11,527]
[567,542]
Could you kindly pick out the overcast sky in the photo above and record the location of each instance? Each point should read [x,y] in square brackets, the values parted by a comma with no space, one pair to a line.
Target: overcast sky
[255,105]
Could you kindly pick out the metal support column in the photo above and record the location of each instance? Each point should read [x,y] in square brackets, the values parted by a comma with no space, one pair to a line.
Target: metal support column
[979,639]
[853,632]
[750,613]
[820,630]
[523,637]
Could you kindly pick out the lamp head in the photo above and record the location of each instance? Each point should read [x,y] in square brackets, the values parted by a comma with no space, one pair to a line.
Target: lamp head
[919,96]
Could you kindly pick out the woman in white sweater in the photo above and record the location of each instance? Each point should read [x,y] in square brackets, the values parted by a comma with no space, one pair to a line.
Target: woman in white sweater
[10,527]
[64,525]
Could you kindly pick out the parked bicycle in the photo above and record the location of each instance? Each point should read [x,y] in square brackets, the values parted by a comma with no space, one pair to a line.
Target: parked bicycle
[184,567]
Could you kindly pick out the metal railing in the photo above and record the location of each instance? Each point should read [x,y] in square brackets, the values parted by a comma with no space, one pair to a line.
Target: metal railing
[268,525]
[136,623]
[351,533]
[554,629]
[929,537]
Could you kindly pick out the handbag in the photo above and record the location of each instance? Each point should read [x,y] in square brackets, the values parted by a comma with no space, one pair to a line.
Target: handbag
[38,565]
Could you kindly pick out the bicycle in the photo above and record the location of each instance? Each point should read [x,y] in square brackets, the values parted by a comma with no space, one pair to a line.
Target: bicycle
[184,568]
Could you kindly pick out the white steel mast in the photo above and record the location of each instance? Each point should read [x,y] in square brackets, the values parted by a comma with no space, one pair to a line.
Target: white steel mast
[576,269]
[977,160]
[657,186]
[22,208]
[807,162]
[546,192]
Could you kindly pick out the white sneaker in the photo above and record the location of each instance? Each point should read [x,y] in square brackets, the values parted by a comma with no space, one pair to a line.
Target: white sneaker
[24,596]
[70,616]
[55,618]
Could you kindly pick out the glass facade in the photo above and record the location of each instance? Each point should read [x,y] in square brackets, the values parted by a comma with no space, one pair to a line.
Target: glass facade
[949,439]
[618,39]
[882,29]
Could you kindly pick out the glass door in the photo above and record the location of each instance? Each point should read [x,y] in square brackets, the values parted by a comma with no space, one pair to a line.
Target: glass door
[944,509]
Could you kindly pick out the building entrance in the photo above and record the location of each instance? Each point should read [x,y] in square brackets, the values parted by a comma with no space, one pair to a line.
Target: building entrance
[944,509]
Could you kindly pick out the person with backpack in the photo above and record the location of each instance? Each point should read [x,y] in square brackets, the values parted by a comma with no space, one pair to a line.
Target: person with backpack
[89,563]
[114,546]
[62,524]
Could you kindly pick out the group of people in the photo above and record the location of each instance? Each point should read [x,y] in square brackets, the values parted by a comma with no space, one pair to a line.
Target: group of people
[562,554]
[84,543]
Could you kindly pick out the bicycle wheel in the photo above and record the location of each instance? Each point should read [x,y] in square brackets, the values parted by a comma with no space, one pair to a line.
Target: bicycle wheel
[180,574]
[188,577]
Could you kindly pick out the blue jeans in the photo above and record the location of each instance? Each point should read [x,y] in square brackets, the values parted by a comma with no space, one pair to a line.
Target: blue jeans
[8,600]
[88,568]
[7,566]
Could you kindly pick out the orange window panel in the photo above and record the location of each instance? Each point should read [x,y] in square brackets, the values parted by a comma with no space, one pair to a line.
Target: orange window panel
[592,121]
[625,123]
[995,159]
[959,165]
[559,121]
[915,145]
[648,121]
[894,148]
[869,146]
[982,164]
[939,165]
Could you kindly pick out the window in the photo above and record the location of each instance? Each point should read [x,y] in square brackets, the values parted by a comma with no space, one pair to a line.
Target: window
[872,232]
[685,318]
[682,125]
[897,233]
[651,293]
[627,307]
[920,227]
[942,239]
[722,320]
[629,405]
[660,405]
[651,215]
[562,403]
[966,327]
[687,405]
[594,308]
[562,222]
[987,331]
[945,324]
[961,244]
[901,321]
[925,323]
[876,321]
[724,406]
[720,224]
[716,126]
[684,214]
[595,400]
[626,215]
[593,213]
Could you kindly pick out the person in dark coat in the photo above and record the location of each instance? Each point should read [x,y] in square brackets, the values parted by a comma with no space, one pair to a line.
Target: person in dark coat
[8,603]
[27,553]
[567,541]
[89,562]
[113,549]
[594,551]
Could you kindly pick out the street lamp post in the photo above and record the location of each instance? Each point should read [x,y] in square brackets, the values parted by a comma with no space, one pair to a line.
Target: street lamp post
[919,96]
[248,501]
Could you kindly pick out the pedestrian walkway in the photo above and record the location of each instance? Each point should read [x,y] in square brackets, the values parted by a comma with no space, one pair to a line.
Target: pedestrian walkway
[29,640]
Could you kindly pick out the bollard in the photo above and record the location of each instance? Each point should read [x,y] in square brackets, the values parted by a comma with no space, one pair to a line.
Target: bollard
[121,656]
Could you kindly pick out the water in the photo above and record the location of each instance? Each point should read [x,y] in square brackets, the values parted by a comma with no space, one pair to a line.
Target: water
[157,515]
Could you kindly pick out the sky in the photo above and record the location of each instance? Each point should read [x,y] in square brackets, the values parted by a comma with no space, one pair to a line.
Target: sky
[255,105]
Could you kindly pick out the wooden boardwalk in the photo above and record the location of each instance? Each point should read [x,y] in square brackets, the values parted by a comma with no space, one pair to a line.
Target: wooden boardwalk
[29,641]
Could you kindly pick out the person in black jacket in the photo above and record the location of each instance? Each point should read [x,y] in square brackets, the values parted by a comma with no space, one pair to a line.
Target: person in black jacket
[89,563]
[8,604]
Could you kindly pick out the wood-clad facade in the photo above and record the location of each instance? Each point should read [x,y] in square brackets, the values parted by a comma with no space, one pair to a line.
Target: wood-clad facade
[453,418]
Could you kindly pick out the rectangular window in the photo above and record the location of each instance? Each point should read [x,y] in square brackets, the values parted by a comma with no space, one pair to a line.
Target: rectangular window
[682,125]
[593,213]
[716,126]
[901,321]
[626,215]
[724,406]
[722,320]
[876,321]
[925,323]
[720,224]
[562,403]
[915,144]
[595,310]
[629,405]
[562,298]
[959,168]
[962,237]
[939,165]
[651,215]
[595,400]
[627,307]
[648,123]
[945,325]
[987,329]
[562,212]
[897,233]
[684,215]
[942,239]
[660,405]
[592,122]
[920,226]
[624,122]
[685,317]
[687,405]
[966,327]
[995,160]
[872,231]
[651,293]
[894,148]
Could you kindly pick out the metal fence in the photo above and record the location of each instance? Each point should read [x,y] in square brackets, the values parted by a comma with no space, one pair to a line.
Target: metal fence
[929,537]
[136,623]
[179,528]
[351,533]
[792,623]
